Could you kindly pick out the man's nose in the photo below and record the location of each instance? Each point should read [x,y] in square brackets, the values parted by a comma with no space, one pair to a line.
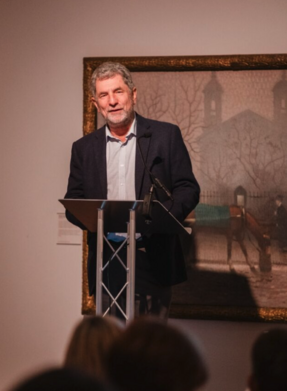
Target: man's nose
[113,100]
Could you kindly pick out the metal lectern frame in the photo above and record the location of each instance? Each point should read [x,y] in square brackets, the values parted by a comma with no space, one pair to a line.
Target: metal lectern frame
[104,216]
[129,267]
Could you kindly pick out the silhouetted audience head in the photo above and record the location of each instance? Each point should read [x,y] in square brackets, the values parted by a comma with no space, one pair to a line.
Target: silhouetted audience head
[269,362]
[151,355]
[90,343]
[61,379]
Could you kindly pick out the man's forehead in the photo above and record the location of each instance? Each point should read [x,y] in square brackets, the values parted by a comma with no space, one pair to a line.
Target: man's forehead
[110,80]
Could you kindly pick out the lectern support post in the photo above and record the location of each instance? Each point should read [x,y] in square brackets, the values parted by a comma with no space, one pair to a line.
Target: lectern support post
[131,257]
[102,216]
[100,251]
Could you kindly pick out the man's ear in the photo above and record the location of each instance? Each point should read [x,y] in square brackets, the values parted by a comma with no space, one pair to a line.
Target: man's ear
[95,102]
[134,95]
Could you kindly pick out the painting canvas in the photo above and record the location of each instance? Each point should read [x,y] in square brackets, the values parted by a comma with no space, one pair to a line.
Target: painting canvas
[234,124]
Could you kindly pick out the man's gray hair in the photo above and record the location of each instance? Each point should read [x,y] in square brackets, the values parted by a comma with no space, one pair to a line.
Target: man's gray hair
[110,69]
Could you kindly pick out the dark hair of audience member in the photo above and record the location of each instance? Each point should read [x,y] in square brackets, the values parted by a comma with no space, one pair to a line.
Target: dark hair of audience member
[90,343]
[60,379]
[269,362]
[152,355]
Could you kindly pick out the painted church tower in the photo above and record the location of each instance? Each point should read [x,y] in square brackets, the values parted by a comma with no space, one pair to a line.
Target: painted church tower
[212,102]
[280,100]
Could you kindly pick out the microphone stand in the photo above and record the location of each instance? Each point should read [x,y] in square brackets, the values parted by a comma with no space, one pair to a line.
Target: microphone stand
[147,205]
[156,183]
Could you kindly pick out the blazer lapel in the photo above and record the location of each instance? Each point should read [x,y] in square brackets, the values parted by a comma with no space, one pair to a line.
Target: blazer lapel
[100,158]
[140,173]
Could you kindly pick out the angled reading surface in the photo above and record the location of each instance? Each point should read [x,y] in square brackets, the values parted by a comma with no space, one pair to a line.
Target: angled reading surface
[117,216]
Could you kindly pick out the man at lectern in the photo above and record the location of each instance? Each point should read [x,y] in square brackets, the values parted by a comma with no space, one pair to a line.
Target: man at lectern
[119,162]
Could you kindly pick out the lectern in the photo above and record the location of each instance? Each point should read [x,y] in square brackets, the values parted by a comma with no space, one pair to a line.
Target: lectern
[105,216]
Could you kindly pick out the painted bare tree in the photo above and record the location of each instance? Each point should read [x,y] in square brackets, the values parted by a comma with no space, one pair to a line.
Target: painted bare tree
[218,171]
[259,149]
[247,149]
[152,102]
[174,97]
[186,109]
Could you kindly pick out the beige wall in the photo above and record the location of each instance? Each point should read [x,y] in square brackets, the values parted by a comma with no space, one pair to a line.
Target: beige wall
[42,45]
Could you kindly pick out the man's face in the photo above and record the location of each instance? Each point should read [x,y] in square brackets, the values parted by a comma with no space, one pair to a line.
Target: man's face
[115,101]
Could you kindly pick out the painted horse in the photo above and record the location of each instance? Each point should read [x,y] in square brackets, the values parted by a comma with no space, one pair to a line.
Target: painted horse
[233,221]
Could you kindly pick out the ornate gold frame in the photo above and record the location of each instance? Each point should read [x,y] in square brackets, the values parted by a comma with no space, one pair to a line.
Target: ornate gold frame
[172,64]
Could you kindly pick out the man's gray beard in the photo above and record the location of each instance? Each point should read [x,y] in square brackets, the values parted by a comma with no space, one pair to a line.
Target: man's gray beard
[128,119]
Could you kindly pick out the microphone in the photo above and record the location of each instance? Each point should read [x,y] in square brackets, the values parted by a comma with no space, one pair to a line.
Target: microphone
[154,180]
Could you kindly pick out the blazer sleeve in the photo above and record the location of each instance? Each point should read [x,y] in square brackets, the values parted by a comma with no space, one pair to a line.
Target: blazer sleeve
[184,187]
[75,183]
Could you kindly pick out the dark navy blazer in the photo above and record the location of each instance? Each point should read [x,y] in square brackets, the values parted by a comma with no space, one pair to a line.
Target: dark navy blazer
[168,159]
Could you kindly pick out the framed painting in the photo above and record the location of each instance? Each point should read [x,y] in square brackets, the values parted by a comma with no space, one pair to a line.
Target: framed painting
[232,111]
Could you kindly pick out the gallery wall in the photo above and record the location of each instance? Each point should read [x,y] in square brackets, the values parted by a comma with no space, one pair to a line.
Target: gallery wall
[42,47]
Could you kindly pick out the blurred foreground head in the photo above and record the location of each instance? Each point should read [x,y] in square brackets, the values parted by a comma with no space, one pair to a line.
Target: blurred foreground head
[90,343]
[60,379]
[151,355]
[269,362]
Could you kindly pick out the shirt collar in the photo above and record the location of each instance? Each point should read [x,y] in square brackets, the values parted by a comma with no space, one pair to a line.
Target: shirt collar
[132,132]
